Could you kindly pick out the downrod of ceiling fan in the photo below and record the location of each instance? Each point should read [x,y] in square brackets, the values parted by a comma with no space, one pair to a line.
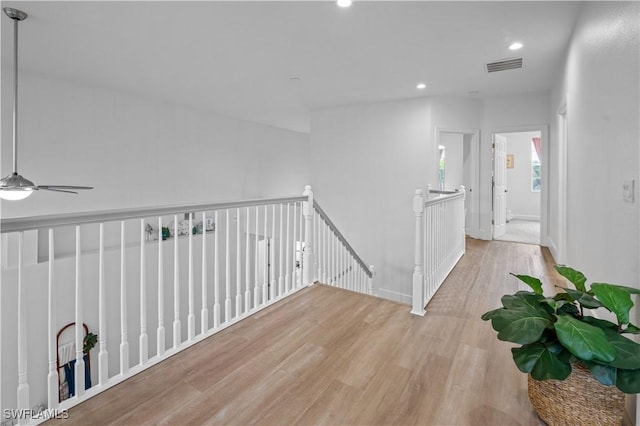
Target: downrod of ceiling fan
[17,16]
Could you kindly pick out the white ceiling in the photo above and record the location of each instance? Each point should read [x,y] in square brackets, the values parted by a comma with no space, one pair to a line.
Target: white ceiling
[237,58]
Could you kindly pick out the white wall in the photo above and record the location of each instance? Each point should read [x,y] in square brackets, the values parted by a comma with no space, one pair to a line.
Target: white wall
[601,86]
[523,203]
[366,163]
[140,152]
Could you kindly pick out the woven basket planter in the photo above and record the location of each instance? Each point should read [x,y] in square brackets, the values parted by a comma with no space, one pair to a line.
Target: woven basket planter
[578,400]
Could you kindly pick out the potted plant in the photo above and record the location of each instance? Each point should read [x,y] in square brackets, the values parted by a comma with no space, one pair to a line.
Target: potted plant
[564,346]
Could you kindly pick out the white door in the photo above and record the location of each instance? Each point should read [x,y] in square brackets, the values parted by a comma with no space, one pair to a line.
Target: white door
[499,185]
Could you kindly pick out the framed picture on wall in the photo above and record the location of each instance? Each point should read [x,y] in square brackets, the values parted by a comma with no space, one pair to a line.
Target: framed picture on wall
[509,161]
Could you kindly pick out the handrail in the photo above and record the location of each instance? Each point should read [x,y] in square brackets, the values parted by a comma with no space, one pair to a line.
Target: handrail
[341,237]
[439,191]
[443,198]
[49,221]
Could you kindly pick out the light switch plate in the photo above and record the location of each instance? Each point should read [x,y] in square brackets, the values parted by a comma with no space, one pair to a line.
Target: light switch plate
[628,191]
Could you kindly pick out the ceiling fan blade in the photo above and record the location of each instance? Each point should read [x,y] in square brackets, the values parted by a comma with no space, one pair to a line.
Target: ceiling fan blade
[56,190]
[63,187]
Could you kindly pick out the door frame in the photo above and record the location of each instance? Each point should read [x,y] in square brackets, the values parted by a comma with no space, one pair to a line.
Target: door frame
[472,196]
[544,191]
[559,248]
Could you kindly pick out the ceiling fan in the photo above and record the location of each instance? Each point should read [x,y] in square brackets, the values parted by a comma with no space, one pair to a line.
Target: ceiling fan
[14,186]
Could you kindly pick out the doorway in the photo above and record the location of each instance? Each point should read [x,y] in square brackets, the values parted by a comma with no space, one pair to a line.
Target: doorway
[457,164]
[517,186]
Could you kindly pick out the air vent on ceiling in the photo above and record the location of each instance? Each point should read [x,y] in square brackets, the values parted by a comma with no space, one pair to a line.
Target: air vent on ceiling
[507,64]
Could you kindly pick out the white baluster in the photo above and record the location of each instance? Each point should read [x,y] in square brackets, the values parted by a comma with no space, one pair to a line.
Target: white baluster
[124,341]
[308,262]
[103,355]
[281,256]
[144,339]
[79,367]
[463,234]
[301,239]
[227,268]
[287,275]
[216,272]
[191,317]
[204,311]
[23,338]
[160,332]
[265,278]
[177,339]
[272,254]
[294,273]
[325,257]
[418,299]
[238,266]
[52,377]
[317,238]
[247,265]
[256,290]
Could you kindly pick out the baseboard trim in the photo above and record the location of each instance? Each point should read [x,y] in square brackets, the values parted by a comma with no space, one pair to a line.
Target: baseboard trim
[553,249]
[392,295]
[526,217]
[485,234]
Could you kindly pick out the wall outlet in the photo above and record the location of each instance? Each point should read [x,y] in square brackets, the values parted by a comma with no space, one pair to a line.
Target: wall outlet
[628,191]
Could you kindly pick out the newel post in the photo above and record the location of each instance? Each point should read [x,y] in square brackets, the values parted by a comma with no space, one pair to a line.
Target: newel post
[307,256]
[417,304]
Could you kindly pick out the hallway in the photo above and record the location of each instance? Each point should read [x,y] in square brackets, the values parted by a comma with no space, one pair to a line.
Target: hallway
[329,356]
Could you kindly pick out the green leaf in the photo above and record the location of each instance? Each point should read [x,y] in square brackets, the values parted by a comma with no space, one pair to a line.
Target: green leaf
[563,296]
[569,309]
[602,373]
[583,340]
[628,381]
[538,360]
[600,323]
[534,283]
[627,351]
[577,278]
[489,315]
[526,301]
[524,329]
[585,299]
[614,298]
[500,318]
[629,290]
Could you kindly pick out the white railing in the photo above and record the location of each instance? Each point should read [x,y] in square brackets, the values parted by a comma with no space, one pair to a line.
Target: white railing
[126,272]
[337,263]
[439,242]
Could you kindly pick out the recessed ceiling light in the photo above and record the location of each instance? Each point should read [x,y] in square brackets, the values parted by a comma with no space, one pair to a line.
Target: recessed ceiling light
[344,3]
[516,45]
[421,86]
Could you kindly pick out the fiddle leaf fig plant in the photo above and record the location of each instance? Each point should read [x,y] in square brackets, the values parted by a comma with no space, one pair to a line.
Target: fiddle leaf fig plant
[555,332]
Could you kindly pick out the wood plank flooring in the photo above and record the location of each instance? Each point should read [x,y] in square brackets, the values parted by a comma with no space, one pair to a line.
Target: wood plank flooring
[329,356]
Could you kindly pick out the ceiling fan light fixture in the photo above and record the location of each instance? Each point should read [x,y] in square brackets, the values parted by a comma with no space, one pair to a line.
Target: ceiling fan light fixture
[14,187]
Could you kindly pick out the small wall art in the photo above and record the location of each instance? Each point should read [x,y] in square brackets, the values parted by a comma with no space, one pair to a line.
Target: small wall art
[510,163]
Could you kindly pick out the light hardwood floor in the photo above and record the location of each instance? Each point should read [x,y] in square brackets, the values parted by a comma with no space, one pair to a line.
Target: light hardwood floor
[328,356]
